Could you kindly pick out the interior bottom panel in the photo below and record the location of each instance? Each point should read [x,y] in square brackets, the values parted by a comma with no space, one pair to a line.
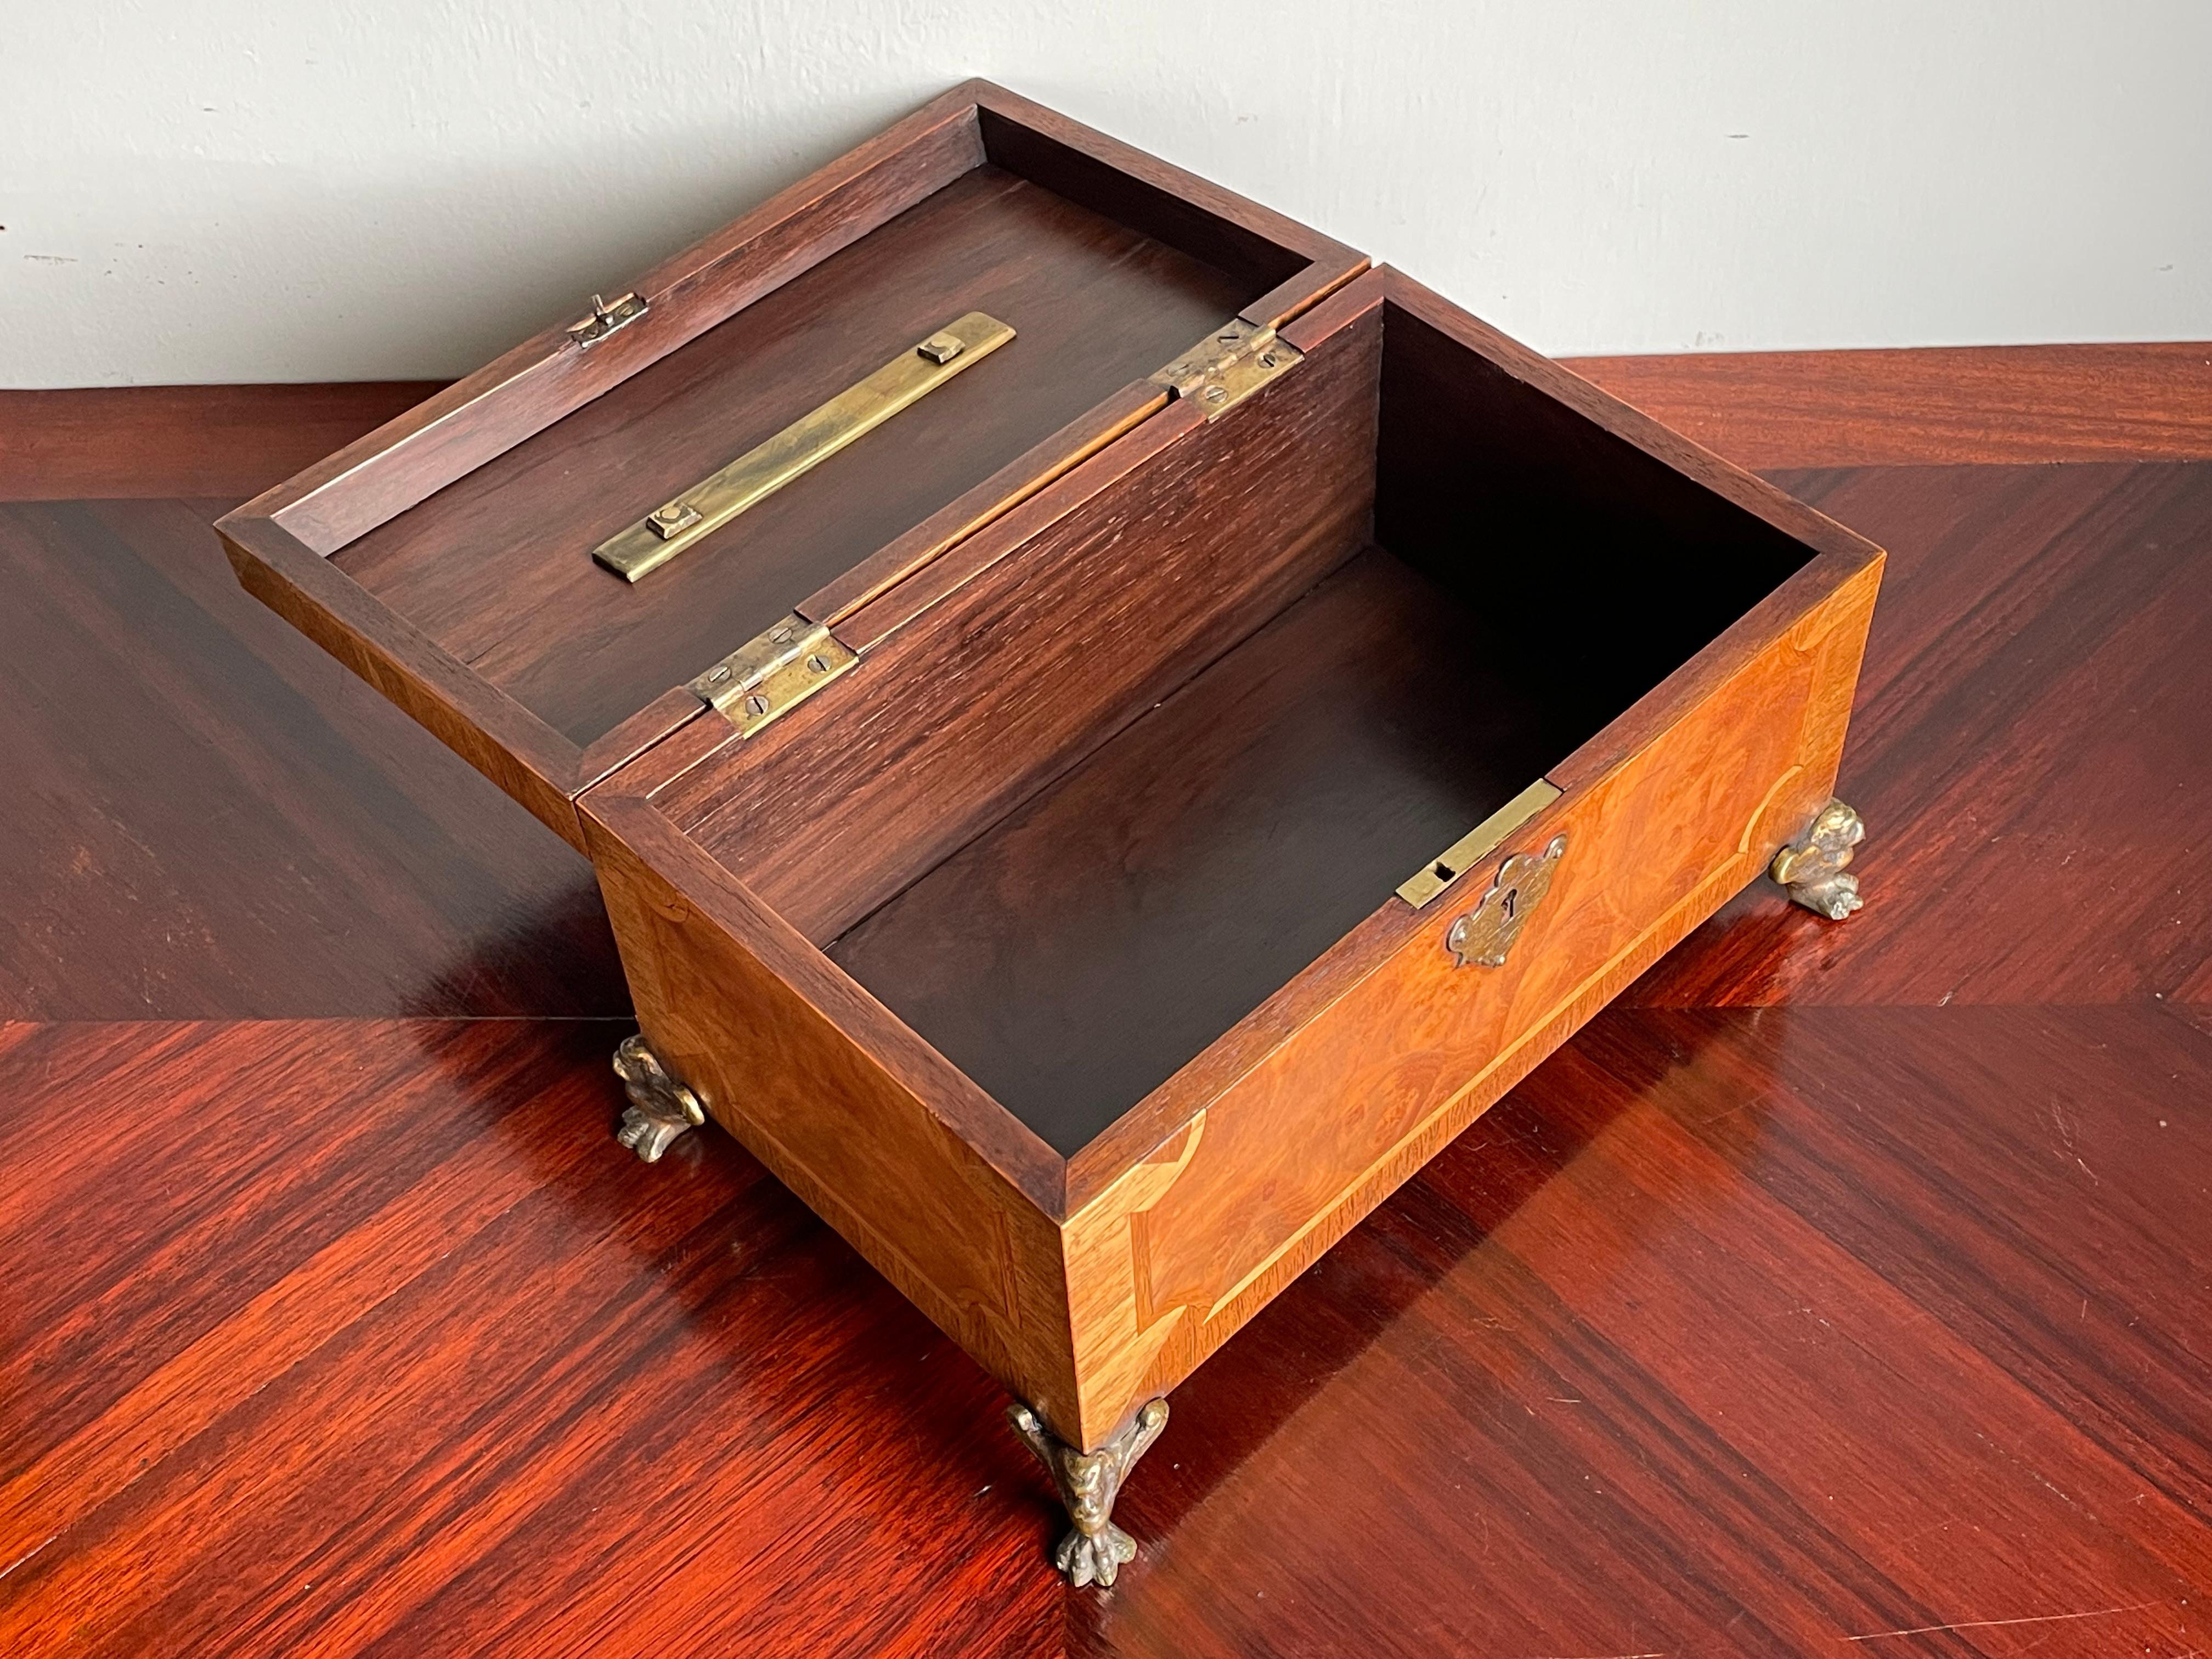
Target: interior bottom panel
[1087,946]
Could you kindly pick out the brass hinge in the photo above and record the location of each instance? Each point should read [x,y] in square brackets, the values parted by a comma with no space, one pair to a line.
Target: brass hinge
[767,677]
[1229,365]
[607,316]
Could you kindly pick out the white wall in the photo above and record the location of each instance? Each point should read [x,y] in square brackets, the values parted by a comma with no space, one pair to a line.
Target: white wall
[299,189]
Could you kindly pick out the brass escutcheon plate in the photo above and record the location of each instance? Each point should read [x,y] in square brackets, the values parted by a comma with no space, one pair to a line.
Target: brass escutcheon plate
[1485,934]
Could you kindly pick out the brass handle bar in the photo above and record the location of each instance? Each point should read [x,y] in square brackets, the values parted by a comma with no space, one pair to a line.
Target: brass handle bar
[809,440]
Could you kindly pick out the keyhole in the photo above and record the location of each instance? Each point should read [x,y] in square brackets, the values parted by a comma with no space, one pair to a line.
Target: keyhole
[1509,901]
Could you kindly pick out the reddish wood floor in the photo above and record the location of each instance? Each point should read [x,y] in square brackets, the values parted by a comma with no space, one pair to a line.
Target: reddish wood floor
[1978,403]
[1843,1290]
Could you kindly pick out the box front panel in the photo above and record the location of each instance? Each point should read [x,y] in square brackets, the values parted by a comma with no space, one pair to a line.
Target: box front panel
[1168,1261]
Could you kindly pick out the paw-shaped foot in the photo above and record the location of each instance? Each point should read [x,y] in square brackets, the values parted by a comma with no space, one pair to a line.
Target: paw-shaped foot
[1812,870]
[1088,1482]
[1087,1557]
[1834,898]
[660,1108]
[648,1135]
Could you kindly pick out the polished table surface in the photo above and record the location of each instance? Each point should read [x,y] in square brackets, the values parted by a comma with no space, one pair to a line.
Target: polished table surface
[1843,1289]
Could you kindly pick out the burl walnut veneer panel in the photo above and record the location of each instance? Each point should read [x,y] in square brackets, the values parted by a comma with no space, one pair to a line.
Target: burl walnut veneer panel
[1274,1164]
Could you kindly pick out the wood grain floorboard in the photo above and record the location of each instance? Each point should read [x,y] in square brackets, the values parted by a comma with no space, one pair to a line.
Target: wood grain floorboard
[375,1342]
[148,440]
[2029,750]
[1994,404]
[1844,1290]
[1737,1331]
[208,817]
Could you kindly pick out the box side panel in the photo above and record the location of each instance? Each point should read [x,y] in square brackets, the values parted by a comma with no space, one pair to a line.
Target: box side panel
[1169,1260]
[1609,424]
[828,1092]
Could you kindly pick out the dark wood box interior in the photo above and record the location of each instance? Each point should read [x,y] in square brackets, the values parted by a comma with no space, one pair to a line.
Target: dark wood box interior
[497,567]
[1098,805]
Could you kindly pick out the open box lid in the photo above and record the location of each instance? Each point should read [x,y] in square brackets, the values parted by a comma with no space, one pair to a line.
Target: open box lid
[658,510]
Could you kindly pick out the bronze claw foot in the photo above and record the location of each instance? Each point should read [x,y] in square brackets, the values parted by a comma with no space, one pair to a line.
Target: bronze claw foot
[1813,869]
[1088,1482]
[660,1108]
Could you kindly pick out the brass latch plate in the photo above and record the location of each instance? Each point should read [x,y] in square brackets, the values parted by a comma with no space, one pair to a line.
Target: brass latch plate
[1477,844]
[768,677]
[807,442]
[1228,366]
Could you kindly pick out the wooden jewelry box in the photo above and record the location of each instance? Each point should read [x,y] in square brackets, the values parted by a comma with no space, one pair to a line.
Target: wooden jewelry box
[1108,731]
